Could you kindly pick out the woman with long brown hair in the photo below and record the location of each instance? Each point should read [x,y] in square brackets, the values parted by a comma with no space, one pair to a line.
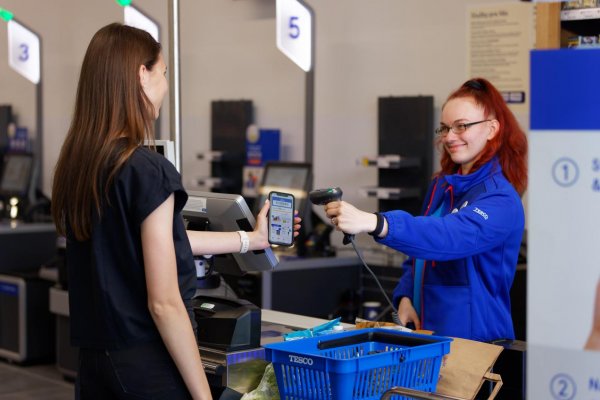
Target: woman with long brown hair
[130,259]
[463,249]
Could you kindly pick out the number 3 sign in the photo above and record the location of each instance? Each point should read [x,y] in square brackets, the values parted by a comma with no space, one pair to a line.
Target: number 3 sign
[294,32]
[24,51]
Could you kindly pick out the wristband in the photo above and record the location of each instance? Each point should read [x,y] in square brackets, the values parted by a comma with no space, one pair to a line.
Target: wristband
[245,242]
[379,226]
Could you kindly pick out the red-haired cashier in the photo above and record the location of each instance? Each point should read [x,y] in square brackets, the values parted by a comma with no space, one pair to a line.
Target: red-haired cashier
[463,248]
[462,264]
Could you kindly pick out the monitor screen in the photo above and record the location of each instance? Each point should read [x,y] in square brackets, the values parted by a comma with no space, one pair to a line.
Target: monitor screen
[17,170]
[223,212]
[287,177]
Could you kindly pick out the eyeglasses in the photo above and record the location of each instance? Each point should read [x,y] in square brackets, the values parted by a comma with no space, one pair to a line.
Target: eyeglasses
[457,127]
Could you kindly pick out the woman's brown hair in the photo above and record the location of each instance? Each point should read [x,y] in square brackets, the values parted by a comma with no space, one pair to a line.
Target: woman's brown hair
[112,117]
[509,145]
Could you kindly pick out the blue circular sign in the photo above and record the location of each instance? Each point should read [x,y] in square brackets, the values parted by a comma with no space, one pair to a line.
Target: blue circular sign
[565,172]
[563,387]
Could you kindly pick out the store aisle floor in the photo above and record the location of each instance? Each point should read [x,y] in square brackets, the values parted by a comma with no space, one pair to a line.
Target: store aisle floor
[33,382]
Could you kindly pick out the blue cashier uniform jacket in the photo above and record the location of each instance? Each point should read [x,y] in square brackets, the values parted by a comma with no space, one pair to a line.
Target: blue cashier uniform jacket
[470,253]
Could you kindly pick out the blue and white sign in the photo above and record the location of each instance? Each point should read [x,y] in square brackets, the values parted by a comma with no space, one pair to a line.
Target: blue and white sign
[294,32]
[24,51]
[563,266]
[134,17]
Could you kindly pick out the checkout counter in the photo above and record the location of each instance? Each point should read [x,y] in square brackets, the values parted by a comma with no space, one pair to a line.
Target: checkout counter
[305,286]
[26,331]
[25,246]
[229,344]
[232,333]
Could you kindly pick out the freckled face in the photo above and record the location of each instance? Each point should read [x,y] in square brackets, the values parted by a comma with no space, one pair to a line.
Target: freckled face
[465,148]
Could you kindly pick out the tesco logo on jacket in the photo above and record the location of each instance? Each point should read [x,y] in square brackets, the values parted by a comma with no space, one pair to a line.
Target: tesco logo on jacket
[482,213]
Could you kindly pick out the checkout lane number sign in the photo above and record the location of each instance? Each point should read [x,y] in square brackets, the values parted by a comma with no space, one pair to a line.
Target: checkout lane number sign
[134,17]
[24,51]
[294,32]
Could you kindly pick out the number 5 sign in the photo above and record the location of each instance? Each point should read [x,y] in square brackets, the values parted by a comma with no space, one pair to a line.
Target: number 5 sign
[24,51]
[294,32]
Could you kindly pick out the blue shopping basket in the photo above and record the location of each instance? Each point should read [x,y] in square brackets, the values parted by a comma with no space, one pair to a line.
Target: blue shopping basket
[360,364]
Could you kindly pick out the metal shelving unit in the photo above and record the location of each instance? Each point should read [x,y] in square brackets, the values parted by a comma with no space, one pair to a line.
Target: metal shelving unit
[404,163]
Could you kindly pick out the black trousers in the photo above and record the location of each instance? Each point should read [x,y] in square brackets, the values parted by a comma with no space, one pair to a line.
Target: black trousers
[146,371]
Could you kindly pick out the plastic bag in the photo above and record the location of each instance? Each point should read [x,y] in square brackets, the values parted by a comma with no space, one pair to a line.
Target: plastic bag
[266,389]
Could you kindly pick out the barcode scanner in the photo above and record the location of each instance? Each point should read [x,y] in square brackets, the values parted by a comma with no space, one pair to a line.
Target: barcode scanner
[320,197]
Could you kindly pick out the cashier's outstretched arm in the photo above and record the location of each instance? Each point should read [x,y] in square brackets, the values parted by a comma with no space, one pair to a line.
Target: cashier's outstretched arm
[164,299]
[593,342]
[207,242]
[349,219]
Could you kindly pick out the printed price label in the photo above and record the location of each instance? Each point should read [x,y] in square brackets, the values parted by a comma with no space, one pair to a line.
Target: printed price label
[294,32]
[24,51]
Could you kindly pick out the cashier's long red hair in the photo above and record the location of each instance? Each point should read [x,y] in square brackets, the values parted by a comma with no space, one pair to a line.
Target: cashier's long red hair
[112,117]
[509,145]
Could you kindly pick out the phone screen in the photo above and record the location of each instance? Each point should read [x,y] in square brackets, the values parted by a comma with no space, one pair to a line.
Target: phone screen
[281,218]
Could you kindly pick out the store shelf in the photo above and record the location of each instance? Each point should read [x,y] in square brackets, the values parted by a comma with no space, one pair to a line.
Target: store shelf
[563,28]
[580,14]
[209,182]
[391,161]
[385,193]
[210,155]
[404,152]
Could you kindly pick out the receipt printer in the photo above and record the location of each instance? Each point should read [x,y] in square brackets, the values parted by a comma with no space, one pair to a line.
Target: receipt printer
[226,324]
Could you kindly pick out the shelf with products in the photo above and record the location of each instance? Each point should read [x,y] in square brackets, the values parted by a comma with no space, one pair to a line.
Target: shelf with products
[580,27]
[568,24]
[578,14]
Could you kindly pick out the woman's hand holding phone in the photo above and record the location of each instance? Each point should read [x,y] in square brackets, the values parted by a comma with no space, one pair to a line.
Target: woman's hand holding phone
[259,238]
[281,219]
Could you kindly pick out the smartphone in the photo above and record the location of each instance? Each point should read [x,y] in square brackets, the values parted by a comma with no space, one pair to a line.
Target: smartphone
[281,218]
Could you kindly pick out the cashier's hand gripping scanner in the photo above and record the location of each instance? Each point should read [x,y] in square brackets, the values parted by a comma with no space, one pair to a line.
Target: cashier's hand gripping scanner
[323,197]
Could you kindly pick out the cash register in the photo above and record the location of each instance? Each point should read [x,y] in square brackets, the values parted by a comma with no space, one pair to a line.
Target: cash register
[228,338]
[229,329]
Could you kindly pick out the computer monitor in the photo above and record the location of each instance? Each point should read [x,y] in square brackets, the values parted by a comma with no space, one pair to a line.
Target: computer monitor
[288,177]
[224,212]
[17,174]
[164,147]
